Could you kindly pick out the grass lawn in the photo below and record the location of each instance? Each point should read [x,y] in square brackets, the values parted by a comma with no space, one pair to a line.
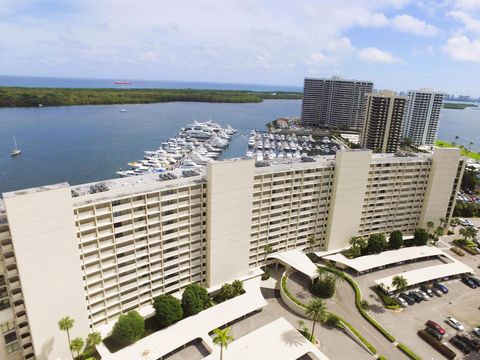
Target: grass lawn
[465,152]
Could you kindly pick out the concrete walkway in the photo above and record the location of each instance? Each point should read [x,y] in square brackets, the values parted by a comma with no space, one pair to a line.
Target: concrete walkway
[343,304]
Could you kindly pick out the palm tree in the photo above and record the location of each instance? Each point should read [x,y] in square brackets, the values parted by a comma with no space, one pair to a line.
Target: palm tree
[470,146]
[267,249]
[93,339]
[222,338]
[311,242]
[316,311]
[399,282]
[77,345]
[454,223]
[301,324]
[455,141]
[443,222]
[439,231]
[356,245]
[65,324]
[430,225]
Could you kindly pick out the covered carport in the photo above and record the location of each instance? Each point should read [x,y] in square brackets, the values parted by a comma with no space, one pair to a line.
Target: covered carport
[296,259]
[427,274]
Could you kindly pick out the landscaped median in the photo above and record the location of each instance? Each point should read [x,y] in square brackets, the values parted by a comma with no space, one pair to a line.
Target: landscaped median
[385,333]
[299,308]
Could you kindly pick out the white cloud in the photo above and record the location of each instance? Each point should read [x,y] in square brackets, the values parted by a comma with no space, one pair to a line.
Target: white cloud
[375,55]
[412,25]
[317,58]
[461,48]
[470,23]
[467,4]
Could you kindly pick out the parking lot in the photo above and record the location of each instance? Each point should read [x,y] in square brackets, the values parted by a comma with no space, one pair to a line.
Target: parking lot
[461,302]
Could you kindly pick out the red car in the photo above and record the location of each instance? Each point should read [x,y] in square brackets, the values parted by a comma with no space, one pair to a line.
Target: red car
[435,326]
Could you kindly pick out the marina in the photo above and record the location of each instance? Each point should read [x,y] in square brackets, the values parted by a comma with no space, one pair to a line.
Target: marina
[265,146]
[195,145]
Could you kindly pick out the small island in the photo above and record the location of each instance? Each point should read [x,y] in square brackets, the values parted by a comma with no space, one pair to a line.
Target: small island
[458,106]
[34,97]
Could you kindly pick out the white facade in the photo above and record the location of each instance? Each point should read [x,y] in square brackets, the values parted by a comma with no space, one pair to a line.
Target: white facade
[422,116]
[95,256]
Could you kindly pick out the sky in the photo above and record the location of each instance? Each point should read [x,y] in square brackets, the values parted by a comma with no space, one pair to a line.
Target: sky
[397,44]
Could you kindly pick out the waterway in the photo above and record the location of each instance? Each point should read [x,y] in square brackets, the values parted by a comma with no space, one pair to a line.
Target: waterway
[80,144]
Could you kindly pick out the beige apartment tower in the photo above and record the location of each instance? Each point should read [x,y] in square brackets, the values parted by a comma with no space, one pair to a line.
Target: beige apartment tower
[384,114]
[69,251]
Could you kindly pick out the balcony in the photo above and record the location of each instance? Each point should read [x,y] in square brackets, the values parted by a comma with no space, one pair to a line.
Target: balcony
[12,273]
[26,341]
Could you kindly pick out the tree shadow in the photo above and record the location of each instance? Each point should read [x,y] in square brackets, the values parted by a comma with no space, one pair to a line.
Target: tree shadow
[377,309]
[293,338]
[47,348]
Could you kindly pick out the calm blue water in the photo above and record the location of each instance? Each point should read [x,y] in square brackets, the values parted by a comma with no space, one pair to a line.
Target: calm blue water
[31,81]
[81,144]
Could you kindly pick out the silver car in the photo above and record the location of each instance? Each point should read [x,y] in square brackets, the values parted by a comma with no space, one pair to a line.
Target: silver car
[454,323]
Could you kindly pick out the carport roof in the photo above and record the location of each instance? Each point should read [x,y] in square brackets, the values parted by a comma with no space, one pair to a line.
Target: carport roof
[277,340]
[298,260]
[429,273]
[368,262]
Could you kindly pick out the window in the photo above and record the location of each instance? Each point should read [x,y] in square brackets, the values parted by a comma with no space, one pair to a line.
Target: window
[7,326]
[10,337]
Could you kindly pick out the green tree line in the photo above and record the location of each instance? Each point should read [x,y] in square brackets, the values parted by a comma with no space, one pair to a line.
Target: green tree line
[33,97]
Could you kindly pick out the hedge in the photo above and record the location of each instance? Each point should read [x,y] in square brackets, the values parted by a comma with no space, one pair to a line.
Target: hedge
[404,348]
[437,345]
[382,358]
[360,337]
[358,299]
[457,251]
[388,301]
[293,298]
[344,322]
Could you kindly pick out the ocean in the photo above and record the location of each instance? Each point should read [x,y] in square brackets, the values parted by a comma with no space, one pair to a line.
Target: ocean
[80,144]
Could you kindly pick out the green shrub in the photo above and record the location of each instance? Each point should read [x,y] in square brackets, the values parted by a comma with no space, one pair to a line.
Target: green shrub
[323,288]
[376,243]
[129,328]
[395,240]
[382,358]
[420,237]
[388,301]
[457,251]
[266,274]
[168,310]
[194,299]
[405,349]
[437,345]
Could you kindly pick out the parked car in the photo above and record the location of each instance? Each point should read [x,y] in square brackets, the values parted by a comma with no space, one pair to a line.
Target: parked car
[401,302]
[441,287]
[415,296]
[454,323]
[423,295]
[469,282]
[434,333]
[476,331]
[437,291]
[459,344]
[427,290]
[434,325]
[471,344]
[475,280]
[407,298]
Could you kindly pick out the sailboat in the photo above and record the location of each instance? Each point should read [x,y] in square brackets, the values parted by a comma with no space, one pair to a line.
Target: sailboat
[16,151]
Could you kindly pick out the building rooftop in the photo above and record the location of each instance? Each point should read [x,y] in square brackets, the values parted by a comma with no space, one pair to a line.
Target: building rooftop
[277,340]
[368,262]
[428,273]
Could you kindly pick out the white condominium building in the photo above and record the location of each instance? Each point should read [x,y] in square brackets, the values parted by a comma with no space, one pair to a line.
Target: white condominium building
[422,116]
[74,251]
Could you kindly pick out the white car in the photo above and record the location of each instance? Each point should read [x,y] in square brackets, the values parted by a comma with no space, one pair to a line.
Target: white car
[401,302]
[423,294]
[476,331]
[455,323]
